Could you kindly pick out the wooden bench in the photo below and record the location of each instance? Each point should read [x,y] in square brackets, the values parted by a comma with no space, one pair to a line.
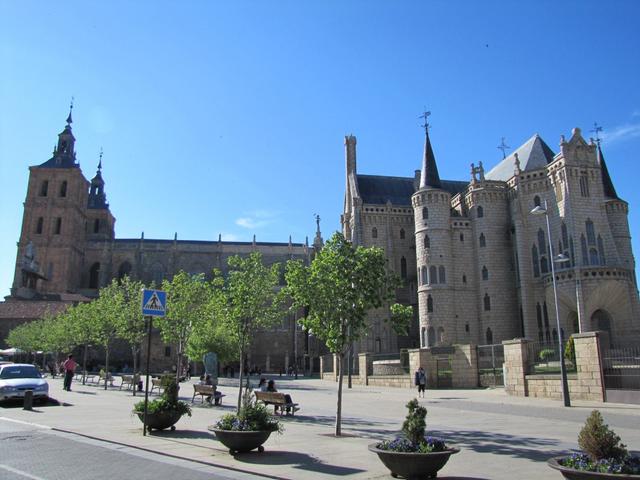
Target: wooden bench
[156,383]
[278,401]
[131,381]
[208,391]
[109,378]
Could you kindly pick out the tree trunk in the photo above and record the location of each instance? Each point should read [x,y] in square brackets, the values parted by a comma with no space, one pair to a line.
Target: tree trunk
[179,362]
[106,366]
[240,375]
[84,364]
[134,352]
[339,407]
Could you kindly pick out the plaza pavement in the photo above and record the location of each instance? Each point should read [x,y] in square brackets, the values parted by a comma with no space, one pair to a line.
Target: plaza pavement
[500,437]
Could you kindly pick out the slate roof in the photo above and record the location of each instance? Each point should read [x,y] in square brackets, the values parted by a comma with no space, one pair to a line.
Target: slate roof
[607,184]
[378,189]
[533,154]
[429,176]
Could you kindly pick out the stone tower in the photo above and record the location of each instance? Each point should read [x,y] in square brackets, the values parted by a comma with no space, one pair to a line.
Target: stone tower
[54,218]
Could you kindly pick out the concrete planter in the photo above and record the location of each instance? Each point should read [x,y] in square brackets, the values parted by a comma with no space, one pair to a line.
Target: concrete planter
[572,474]
[413,466]
[239,441]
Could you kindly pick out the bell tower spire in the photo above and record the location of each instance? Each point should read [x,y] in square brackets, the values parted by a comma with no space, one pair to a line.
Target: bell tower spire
[429,175]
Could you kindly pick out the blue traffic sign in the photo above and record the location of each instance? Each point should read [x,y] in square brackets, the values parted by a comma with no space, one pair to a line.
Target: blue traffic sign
[154,302]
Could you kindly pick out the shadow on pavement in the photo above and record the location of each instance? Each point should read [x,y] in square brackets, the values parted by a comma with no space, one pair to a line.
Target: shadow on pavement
[300,461]
[49,402]
[181,434]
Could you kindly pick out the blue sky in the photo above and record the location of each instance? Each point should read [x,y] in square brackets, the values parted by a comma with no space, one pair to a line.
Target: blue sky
[229,117]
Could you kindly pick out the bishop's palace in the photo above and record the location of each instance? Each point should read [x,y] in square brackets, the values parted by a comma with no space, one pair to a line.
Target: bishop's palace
[475,261]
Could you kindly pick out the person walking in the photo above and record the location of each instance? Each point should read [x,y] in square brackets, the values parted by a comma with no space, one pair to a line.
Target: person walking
[69,366]
[421,381]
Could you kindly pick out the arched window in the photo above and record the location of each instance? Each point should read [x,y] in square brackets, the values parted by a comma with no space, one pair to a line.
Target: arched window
[462,237]
[487,302]
[565,236]
[539,319]
[485,273]
[429,304]
[39,225]
[423,337]
[44,188]
[601,320]
[124,270]
[425,275]
[427,242]
[425,213]
[464,278]
[545,313]
[544,265]
[94,276]
[374,232]
[583,249]
[489,336]
[542,244]
[433,274]
[431,336]
[442,278]
[591,232]
[572,320]
[63,189]
[483,241]
[96,225]
[480,211]
[403,267]
[58,226]
[601,250]
[535,261]
[536,201]
[440,334]
[594,258]
[402,234]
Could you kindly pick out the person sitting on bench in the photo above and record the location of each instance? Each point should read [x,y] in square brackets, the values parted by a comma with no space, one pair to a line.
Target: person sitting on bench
[206,380]
[271,387]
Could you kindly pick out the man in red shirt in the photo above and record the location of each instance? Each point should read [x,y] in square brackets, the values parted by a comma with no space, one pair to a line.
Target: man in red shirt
[69,370]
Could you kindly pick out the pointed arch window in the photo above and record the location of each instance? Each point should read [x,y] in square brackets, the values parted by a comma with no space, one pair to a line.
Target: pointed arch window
[124,270]
[39,225]
[487,302]
[425,213]
[402,234]
[427,241]
[425,275]
[601,250]
[535,260]
[63,189]
[442,278]
[403,267]
[480,211]
[583,248]
[591,233]
[536,201]
[429,304]
[44,188]
[94,276]
[482,241]
[542,244]
[565,236]
[433,274]
[594,258]
[374,232]
[544,265]
[96,225]
[489,336]
[545,313]
[485,273]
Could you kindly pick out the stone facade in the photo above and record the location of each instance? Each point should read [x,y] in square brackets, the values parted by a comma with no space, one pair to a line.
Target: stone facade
[475,262]
[68,248]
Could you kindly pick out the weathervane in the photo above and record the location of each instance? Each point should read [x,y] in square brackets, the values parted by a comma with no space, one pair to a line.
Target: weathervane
[503,146]
[425,116]
[69,119]
[100,162]
[597,129]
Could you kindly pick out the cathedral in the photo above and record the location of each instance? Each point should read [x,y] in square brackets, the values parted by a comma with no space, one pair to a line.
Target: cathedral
[67,250]
[475,257]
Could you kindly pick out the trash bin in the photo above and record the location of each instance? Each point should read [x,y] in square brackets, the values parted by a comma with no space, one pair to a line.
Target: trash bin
[28,400]
[140,385]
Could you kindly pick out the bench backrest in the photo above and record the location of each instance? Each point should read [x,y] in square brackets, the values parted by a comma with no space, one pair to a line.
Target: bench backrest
[197,388]
[270,397]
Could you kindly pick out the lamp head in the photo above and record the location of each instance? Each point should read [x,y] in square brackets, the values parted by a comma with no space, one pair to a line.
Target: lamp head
[538,211]
[561,258]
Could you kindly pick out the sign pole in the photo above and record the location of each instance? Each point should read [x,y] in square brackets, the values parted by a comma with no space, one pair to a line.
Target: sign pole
[146,384]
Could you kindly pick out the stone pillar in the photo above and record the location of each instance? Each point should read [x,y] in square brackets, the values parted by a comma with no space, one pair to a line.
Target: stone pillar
[517,365]
[364,360]
[422,357]
[589,366]
[464,366]
[322,367]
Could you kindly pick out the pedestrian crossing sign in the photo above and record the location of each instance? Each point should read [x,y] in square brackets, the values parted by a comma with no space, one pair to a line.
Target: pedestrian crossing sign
[154,302]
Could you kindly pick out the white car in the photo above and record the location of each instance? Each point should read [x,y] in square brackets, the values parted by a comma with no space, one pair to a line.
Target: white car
[17,378]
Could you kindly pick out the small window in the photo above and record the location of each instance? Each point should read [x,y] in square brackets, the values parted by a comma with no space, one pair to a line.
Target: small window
[591,232]
[536,201]
[535,260]
[402,234]
[584,185]
[374,232]
[39,225]
[430,304]
[483,241]
[487,302]
[466,327]
[167,351]
[442,278]
[433,274]
[63,189]
[480,211]
[464,279]
[58,226]
[403,267]
[44,188]
[425,213]
[427,241]
[489,336]
[462,237]
[485,273]
[96,225]
[425,275]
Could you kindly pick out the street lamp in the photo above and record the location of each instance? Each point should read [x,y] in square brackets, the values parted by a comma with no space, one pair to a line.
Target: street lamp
[559,259]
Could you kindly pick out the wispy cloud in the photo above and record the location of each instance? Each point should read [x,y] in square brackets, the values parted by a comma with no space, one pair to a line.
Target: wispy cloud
[256,219]
[621,133]
[230,237]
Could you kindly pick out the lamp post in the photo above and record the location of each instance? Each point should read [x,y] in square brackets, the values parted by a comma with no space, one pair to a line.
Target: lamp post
[561,258]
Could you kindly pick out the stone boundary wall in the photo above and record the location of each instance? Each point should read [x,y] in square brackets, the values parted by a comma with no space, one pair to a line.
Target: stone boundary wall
[399,381]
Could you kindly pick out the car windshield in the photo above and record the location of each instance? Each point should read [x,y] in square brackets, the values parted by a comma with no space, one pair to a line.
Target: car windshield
[19,371]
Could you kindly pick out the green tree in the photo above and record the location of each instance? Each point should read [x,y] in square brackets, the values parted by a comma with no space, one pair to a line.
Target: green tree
[79,330]
[338,289]
[248,300]
[103,314]
[187,299]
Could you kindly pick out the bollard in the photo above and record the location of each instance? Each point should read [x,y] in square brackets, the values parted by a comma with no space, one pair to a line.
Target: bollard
[28,400]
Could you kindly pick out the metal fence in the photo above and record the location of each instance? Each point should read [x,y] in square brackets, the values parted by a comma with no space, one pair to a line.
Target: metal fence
[490,361]
[546,358]
[621,368]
